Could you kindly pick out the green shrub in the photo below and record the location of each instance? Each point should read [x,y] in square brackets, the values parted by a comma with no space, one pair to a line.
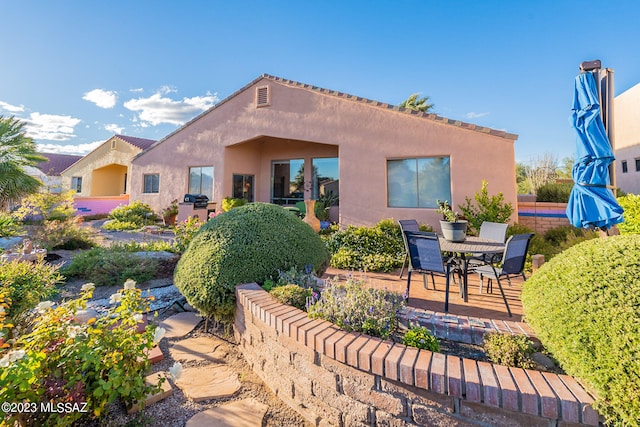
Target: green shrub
[46,207]
[131,217]
[556,192]
[110,266]
[509,350]
[631,205]
[229,203]
[27,283]
[247,244]
[354,307]
[63,361]
[9,226]
[63,234]
[420,337]
[294,295]
[487,208]
[584,305]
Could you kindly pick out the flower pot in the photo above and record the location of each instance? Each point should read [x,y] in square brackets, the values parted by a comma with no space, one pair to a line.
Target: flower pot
[170,219]
[310,216]
[454,231]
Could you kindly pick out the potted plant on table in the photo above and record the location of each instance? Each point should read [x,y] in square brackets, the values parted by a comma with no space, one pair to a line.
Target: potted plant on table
[453,228]
[170,213]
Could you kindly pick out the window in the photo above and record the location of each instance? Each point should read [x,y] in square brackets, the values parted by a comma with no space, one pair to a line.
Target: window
[243,187]
[151,183]
[625,169]
[418,183]
[325,177]
[201,181]
[637,165]
[287,177]
[76,184]
[113,144]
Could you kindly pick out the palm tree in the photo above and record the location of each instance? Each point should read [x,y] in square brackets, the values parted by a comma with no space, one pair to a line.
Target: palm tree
[413,103]
[16,151]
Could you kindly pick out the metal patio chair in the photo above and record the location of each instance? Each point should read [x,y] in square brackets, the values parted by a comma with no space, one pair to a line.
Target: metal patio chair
[407,225]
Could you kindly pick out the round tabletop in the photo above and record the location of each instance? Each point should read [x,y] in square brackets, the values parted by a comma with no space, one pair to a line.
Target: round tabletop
[471,244]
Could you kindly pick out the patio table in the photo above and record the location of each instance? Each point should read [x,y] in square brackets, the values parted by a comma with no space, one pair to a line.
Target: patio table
[471,245]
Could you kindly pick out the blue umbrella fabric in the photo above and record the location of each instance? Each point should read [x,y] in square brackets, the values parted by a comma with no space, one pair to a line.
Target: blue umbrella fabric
[591,203]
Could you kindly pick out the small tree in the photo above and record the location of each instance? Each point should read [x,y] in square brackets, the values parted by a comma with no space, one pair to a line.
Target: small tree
[488,208]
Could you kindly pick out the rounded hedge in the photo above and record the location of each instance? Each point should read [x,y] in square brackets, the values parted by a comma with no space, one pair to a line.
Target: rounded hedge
[584,305]
[246,244]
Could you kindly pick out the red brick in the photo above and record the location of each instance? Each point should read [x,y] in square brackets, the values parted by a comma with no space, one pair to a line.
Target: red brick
[264,310]
[528,395]
[569,404]
[392,362]
[527,329]
[353,348]
[330,342]
[365,353]
[155,355]
[421,369]
[378,356]
[454,376]
[508,386]
[283,316]
[472,386]
[437,373]
[548,400]
[294,326]
[275,312]
[406,365]
[342,344]
[323,336]
[500,326]
[490,389]
[286,323]
[313,333]
[304,330]
[588,414]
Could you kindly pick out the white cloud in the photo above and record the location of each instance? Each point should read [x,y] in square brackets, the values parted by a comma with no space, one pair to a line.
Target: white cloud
[158,109]
[102,98]
[473,115]
[11,108]
[114,128]
[50,126]
[79,149]
[136,90]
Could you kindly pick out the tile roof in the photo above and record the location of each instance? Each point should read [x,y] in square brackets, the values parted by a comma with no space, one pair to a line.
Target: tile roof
[56,163]
[141,143]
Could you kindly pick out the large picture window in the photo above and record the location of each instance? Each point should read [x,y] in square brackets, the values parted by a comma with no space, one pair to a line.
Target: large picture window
[151,183]
[201,181]
[418,182]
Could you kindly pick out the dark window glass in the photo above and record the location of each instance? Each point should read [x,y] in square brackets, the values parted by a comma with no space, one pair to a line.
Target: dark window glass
[151,183]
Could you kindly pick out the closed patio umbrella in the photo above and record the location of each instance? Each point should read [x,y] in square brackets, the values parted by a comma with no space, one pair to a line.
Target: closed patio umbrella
[591,203]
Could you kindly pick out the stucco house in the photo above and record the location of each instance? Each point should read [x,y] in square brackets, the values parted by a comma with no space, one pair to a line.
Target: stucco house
[50,171]
[627,140]
[281,141]
[105,170]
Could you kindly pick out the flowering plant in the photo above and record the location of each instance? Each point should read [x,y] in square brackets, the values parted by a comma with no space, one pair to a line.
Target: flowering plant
[79,366]
[185,230]
[170,210]
[448,214]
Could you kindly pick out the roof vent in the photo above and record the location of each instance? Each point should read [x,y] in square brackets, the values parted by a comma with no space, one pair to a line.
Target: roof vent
[263,96]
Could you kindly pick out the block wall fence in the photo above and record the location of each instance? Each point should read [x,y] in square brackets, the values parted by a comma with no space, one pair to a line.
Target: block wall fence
[335,378]
[542,216]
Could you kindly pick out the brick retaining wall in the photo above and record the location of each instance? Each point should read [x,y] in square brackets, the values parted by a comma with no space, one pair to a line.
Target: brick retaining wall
[335,378]
[542,216]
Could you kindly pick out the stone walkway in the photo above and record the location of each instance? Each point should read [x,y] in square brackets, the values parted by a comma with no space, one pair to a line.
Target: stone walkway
[216,381]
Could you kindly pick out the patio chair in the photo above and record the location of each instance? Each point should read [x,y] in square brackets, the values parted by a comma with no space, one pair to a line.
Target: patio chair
[513,259]
[495,231]
[407,225]
[425,257]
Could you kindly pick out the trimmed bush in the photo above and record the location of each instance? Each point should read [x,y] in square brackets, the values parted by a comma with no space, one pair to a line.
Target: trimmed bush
[131,217]
[509,350]
[631,205]
[584,305]
[246,244]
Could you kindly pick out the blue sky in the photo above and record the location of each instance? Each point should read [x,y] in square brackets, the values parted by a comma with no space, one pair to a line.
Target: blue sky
[79,72]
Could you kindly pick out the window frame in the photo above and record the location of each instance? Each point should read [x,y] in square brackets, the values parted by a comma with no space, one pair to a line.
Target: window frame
[416,203]
[156,182]
[78,183]
[189,183]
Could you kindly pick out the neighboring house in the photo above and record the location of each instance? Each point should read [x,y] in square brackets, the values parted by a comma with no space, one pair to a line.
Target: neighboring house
[104,172]
[50,171]
[627,140]
[280,141]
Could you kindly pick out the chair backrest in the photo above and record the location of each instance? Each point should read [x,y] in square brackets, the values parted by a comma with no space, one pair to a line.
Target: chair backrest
[515,253]
[407,225]
[493,231]
[424,251]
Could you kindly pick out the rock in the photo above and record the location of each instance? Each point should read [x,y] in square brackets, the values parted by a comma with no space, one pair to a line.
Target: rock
[83,316]
[161,255]
[242,413]
[543,361]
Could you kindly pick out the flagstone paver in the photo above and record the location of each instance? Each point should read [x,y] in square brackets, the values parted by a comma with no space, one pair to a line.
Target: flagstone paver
[198,349]
[165,391]
[242,413]
[180,324]
[211,382]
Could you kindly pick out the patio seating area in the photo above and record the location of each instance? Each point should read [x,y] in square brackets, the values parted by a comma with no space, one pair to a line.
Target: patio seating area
[481,305]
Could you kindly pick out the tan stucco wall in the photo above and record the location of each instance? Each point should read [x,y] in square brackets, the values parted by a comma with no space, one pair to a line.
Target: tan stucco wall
[103,170]
[303,123]
[627,138]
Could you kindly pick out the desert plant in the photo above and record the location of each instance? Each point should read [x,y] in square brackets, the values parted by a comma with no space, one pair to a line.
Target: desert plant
[631,205]
[583,305]
[421,337]
[487,208]
[354,307]
[46,207]
[131,217]
[9,226]
[448,214]
[304,278]
[63,234]
[80,366]
[229,203]
[509,350]
[110,266]
[556,192]
[247,244]
[294,295]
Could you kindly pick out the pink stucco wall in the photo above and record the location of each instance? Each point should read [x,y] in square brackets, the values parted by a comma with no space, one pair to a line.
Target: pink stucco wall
[237,137]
